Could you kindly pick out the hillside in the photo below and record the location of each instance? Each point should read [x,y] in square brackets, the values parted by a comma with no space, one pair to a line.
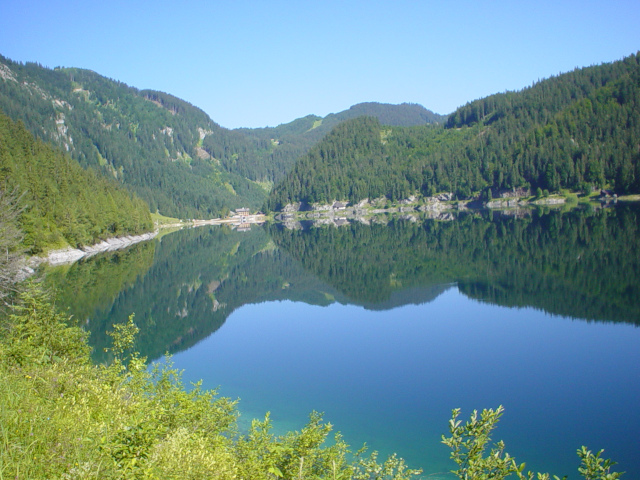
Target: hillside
[577,131]
[150,141]
[276,149]
[403,115]
[62,203]
[168,151]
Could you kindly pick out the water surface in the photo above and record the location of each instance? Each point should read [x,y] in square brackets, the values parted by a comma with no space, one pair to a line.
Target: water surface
[387,327]
[390,378]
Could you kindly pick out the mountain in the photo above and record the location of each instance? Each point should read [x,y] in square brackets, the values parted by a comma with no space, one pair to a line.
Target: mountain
[276,149]
[166,150]
[61,203]
[578,131]
[403,115]
[575,131]
[154,143]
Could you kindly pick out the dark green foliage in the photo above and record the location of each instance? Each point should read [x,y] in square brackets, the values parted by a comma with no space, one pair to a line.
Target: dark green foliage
[10,247]
[275,150]
[361,159]
[150,141]
[63,203]
[403,115]
[581,264]
[576,131]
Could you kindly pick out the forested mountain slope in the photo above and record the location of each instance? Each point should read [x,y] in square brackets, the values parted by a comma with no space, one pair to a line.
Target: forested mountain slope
[150,141]
[163,148]
[276,149]
[63,203]
[579,131]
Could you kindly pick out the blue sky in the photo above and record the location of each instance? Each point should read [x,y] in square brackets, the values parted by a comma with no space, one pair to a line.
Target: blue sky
[255,64]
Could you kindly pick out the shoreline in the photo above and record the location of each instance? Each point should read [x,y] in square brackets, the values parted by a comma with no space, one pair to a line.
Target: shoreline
[70,255]
[437,206]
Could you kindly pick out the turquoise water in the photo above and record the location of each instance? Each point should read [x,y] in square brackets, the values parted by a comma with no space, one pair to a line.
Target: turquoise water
[391,378]
[387,327]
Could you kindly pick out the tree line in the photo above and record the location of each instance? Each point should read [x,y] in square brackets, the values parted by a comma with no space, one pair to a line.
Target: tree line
[581,263]
[576,131]
[62,203]
[151,142]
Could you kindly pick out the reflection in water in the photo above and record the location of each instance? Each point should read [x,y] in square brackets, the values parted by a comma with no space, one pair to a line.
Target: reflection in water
[93,284]
[391,375]
[582,264]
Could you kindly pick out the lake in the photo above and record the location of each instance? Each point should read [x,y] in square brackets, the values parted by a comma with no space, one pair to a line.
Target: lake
[387,327]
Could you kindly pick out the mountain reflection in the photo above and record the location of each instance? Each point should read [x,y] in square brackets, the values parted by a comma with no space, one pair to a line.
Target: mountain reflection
[582,264]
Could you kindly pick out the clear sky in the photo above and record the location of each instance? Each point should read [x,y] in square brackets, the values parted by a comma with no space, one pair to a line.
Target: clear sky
[263,63]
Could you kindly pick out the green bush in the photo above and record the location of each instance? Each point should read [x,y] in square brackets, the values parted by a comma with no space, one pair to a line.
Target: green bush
[62,417]
[469,441]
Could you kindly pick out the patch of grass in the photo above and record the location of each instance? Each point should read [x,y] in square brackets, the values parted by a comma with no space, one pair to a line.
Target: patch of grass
[572,198]
[267,185]
[316,124]
[229,187]
[629,198]
[161,220]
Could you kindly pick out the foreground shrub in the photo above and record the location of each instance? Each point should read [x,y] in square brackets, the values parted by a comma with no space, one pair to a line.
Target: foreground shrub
[63,418]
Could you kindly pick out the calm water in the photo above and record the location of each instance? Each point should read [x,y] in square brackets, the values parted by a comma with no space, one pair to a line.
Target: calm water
[386,328]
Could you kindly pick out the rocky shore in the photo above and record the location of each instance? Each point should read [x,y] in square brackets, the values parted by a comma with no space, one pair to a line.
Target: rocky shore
[70,255]
[436,207]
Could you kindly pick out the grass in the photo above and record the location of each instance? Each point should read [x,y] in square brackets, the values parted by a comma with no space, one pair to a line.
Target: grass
[161,220]
[316,124]
[267,185]
[629,198]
